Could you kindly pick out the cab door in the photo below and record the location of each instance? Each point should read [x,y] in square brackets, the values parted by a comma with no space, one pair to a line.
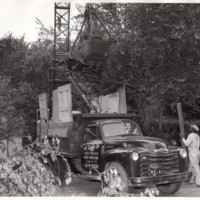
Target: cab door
[91,148]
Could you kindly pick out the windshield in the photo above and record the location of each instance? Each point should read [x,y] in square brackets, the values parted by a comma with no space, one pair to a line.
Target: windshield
[120,128]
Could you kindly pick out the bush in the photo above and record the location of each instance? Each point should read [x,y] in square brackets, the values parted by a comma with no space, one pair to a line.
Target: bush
[111,186]
[24,174]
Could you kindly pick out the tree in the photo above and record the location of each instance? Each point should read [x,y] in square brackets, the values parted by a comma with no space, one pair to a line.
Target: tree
[11,123]
[27,65]
[12,56]
[158,51]
[165,51]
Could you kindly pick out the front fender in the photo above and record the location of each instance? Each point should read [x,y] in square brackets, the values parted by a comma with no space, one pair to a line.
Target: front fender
[183,162]
[123,156]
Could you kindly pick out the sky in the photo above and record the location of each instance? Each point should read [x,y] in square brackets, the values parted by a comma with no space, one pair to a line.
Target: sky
[18,16]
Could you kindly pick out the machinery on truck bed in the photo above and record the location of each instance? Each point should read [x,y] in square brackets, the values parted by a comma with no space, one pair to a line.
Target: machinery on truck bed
[107,136]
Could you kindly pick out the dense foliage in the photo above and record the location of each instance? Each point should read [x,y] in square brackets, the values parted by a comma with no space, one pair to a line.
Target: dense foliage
[26,173]
[156,50]
[158,47]
[26,66]
[11,122]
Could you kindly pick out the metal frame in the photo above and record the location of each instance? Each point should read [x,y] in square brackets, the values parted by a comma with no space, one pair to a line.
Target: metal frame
[61,46]
[61,43]
[60,73]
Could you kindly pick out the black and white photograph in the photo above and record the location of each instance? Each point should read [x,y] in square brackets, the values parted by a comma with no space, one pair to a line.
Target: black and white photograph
[99,98]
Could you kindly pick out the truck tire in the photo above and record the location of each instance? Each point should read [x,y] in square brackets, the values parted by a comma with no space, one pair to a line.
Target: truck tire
[61,169]
[169,188]
[56,168]
[122,173]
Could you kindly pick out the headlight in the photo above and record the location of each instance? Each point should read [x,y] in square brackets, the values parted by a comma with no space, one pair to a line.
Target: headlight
[183,153]
[124,144]
[135,156]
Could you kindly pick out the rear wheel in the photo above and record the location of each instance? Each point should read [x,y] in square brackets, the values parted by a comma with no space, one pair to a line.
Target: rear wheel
[55,167]
[122,174]
[170,188]
[58,168]
[62,169]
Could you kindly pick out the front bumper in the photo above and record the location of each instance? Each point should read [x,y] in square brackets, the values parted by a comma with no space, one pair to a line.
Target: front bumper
[158,180]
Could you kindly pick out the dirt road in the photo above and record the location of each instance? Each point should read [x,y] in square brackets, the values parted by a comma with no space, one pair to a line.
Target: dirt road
[80,187]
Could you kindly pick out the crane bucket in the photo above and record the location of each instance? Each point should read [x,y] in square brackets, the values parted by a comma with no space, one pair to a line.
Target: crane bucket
[93,41]
[93,48]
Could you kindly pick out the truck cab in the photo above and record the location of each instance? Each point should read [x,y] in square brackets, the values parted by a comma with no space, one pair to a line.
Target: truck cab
[99,134]
[139,160]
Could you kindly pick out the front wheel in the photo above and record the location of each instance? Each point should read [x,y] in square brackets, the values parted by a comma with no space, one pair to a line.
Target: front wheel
[121,173]
[170,188]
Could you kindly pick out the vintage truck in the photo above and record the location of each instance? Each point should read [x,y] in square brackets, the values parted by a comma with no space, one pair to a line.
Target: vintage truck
[102,141]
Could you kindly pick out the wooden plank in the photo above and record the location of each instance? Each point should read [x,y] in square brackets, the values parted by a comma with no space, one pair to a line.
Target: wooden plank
[109,103]
[58,132]
[55,106]
[114,102]
[43,124]
[108,115]
[122,100]
[43,106]
[65,103]
[181,122]
[54,129]
[43,129]
[59,125]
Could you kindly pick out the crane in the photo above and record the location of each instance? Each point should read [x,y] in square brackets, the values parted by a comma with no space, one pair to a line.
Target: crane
[90,48]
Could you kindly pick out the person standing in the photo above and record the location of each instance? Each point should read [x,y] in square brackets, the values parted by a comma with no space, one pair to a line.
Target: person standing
[193,142]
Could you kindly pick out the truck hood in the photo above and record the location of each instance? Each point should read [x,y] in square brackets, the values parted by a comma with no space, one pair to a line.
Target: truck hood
[139,143]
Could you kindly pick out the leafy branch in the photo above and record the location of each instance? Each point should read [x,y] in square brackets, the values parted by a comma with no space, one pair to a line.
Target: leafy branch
[23,174]
[111,185]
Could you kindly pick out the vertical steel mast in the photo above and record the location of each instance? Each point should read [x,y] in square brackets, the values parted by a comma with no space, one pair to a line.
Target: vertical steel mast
[61,45]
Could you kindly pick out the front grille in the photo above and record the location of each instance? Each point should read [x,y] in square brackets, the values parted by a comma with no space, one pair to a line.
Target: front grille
[168,163]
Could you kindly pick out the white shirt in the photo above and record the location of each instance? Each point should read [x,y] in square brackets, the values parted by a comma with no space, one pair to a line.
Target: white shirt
[192,142]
